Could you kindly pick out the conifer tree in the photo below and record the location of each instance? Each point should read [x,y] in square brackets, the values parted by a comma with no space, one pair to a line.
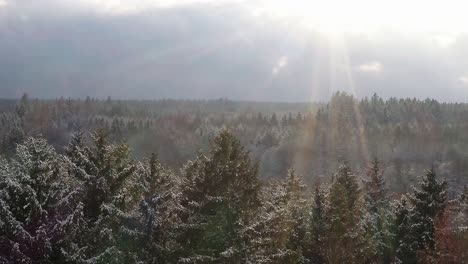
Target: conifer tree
[9,141]
[416,222]
[23,106]
[405,237]
[106,175]
[461,224]
[296,207]
[271,228]
[462,216]
[315,247]
[378,218]
[278,229]
[375,187]
[159,209]
[219,198]
[429,203]
[346,241]
[38,206]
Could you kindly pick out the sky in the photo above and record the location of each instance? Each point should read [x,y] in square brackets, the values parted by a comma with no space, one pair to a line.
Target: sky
[260,50]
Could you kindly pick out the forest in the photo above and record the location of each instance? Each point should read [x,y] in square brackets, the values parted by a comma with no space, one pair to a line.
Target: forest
[350,180]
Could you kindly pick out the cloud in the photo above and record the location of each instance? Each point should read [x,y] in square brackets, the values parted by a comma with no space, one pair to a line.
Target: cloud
[126,7]
[3,3]
[371,67]
[463,80]
[280,64]
[444,40]
[201,49]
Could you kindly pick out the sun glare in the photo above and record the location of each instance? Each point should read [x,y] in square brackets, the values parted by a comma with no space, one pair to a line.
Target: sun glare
[367,16]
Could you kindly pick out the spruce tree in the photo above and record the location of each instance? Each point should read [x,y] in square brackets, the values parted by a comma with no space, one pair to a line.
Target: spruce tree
[461,223]
[278,229]
[416,221]
[375,188]
[345,240]
[315,248]
[405,237]
[159,213]
[106,175]
[378,218]
[219,197]
[461,219]
[429,202]
[296,207]
[270,228]
[38,206]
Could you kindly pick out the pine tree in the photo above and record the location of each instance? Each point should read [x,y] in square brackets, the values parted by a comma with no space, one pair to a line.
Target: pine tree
[462,216]
[405,237]
[461,224]
[159,209]
[38,206]
[269,229]
[315,249]
[278,229]
[429,203]
[274,120]
[296,206]
[23,106]
[416,222]
[106,174]
[345,235]
[375,188]
[15,136]
[378,218]
[219,197]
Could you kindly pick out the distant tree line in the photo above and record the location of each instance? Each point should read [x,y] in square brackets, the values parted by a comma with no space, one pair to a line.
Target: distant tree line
[409,135]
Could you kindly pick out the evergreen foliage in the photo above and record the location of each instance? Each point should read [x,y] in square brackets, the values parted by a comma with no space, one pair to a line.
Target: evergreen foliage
[96,204]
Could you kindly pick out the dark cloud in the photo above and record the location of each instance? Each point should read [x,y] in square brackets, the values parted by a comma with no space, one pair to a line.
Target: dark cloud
[50,49]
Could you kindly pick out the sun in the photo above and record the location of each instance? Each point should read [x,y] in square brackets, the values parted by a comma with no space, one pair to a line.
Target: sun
[367,16]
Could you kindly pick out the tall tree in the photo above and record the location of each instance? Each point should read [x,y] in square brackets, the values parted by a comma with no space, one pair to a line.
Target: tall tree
[270,229]
[405,237]
[375,187]
[38,206]
[461,219]
[378,218]
[159,213]
[429,202]
[416,222]
[345,235]
[296,207]
[315,246]
[106,174]
[219,197]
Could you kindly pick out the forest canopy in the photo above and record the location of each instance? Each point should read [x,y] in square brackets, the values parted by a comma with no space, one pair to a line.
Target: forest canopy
[355,181]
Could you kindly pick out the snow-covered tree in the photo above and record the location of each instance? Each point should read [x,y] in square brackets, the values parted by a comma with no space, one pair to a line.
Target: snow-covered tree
[345,239]
[429,202]
[314,251]
[267,227]
[159,213]
[219,198]
[375,188]
[405,240]
[39,212]
[461,219]
[279,221]
[416,221]
[296,207]
[378,217]
[107,184]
